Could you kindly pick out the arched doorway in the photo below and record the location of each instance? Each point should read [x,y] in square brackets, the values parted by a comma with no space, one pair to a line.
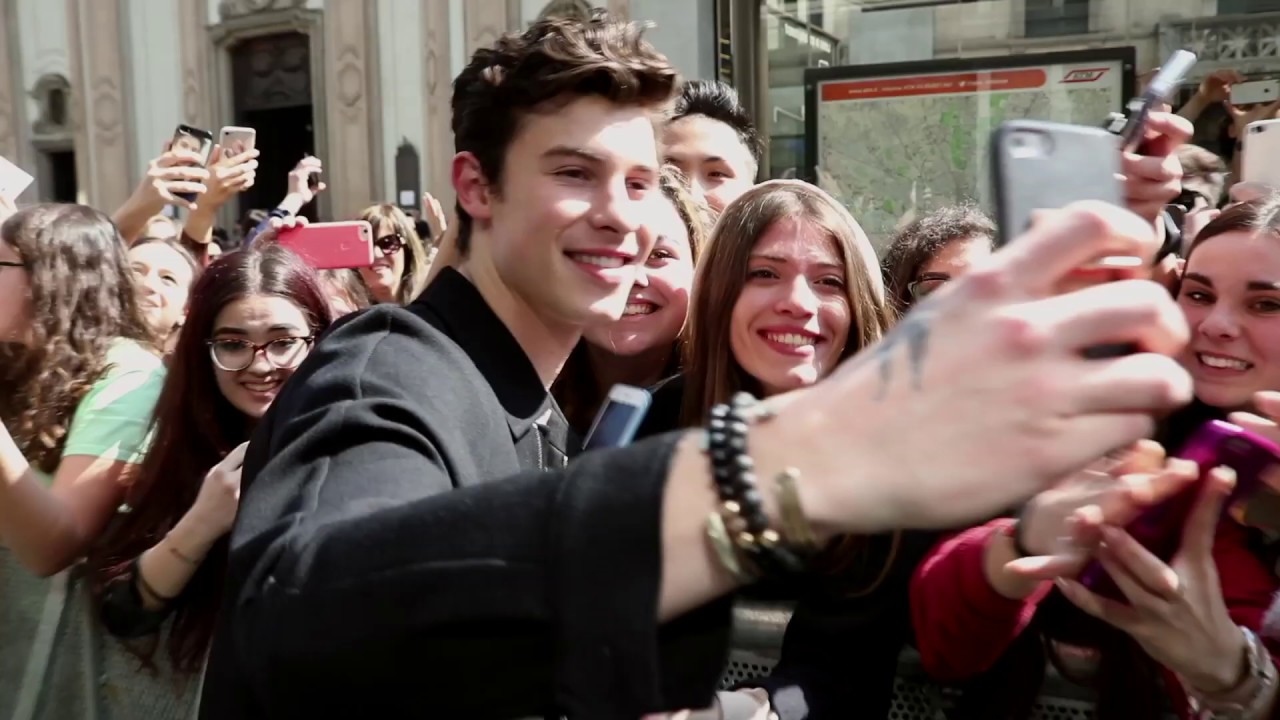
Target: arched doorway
[271,91]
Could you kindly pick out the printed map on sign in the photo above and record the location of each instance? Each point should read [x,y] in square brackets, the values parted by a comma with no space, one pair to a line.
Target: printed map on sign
[894,148]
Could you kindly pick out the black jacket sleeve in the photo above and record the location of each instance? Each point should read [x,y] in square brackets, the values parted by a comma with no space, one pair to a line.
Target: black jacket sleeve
[363,581]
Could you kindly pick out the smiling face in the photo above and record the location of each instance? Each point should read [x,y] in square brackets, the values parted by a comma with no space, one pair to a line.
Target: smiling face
[659,301]
[710,153]
[576,185]
[791,321]
[1231,297]
[163,280]
[258,319]
[384,276]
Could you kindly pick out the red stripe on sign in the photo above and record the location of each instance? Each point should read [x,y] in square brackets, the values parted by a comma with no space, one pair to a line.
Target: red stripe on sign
[1024,79]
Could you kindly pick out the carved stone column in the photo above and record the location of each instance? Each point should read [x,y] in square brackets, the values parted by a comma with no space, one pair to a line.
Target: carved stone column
[12,107]
[101,115]
[351,73]
[438,135]
[193,17]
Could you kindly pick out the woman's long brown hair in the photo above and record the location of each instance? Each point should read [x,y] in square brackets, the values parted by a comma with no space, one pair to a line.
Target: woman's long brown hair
[194,428]
[576,389]
[82,299]
[713,375]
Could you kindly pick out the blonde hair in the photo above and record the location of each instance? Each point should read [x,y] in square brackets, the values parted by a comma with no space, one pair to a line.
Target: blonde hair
[415,259]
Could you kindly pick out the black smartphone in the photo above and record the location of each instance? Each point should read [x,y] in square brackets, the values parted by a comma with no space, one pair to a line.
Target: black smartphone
[196,140]
[618,421]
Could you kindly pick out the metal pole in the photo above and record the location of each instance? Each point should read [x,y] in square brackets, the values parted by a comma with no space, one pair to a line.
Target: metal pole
[751,66]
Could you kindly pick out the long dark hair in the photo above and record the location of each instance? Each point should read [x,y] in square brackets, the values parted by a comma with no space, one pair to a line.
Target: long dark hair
[82,300]
[193,429]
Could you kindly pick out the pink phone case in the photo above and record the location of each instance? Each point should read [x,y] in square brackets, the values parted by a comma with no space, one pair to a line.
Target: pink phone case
[327,246]
[1159,529]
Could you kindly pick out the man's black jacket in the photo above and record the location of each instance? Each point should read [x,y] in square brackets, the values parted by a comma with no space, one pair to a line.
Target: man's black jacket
[399,554]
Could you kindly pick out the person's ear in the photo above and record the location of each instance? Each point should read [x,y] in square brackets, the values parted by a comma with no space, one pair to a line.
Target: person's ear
[471,186]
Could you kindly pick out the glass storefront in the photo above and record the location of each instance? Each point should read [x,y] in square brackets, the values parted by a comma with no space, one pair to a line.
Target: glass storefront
[889,103]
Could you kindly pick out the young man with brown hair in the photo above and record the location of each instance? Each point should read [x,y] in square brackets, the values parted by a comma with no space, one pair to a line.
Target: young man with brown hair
[409,540]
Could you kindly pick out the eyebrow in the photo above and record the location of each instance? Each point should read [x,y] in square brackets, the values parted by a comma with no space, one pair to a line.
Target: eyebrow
[1252,285]
[568,151]
[242,331]
[784,261]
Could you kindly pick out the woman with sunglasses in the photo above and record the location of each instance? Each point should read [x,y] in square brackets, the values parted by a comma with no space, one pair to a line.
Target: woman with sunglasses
[933,249]
[399,270]
[156,577]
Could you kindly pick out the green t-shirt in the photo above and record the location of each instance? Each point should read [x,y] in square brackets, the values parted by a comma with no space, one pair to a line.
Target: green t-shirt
[113,419]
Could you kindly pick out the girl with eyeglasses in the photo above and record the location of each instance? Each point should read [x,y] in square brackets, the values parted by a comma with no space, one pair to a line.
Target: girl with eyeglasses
[156,578]
[934,249]
[80,374]
[399,270]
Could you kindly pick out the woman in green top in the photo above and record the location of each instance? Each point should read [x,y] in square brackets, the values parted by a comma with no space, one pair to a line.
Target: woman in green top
[80,377]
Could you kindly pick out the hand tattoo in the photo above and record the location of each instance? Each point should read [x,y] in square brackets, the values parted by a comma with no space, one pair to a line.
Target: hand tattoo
[914,331]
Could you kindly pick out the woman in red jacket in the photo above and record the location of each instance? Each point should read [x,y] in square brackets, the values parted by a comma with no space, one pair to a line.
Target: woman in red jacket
[1192,632]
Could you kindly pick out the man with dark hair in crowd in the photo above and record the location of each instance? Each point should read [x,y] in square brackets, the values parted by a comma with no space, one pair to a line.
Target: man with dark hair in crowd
[711,138]
[410,542]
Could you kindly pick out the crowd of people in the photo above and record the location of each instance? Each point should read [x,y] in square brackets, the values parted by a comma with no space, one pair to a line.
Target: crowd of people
[235,486]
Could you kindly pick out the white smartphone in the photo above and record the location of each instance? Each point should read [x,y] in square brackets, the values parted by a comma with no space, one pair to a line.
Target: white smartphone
[1261,161]
[616,424]
[1255,92]
[13,180]
[235,140]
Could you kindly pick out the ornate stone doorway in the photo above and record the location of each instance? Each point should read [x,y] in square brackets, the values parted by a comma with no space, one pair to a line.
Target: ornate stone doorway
[271,91]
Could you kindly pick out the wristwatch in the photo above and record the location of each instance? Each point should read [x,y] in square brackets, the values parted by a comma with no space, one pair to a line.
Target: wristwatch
[1242,701]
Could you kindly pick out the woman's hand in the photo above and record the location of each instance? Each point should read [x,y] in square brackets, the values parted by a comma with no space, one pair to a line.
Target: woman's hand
[445,237]
[214,510]
[1177,614]
[229,175]
[1153,178]
[175,172]
[1062,525]
[277,224]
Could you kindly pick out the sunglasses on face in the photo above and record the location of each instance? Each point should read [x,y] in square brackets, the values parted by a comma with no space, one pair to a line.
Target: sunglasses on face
[389,244]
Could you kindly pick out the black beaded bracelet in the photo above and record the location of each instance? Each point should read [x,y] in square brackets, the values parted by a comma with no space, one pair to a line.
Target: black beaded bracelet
[739,492]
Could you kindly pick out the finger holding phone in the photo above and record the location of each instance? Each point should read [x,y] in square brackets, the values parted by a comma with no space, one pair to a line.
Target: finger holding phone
[1058,529]
[1176,611]
[1151,171]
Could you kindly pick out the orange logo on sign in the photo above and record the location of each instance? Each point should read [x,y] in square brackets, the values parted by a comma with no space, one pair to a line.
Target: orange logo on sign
[1085,75]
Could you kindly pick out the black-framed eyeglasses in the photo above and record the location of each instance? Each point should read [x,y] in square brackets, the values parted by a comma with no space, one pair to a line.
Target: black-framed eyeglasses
[10,263]
[923,286]
[390,244]
[283,353]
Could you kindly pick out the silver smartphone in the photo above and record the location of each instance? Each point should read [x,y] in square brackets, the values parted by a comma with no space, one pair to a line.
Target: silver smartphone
[617,422]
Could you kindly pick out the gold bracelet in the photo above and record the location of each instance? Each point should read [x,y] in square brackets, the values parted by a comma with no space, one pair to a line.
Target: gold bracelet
[795,525]
[718,534]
